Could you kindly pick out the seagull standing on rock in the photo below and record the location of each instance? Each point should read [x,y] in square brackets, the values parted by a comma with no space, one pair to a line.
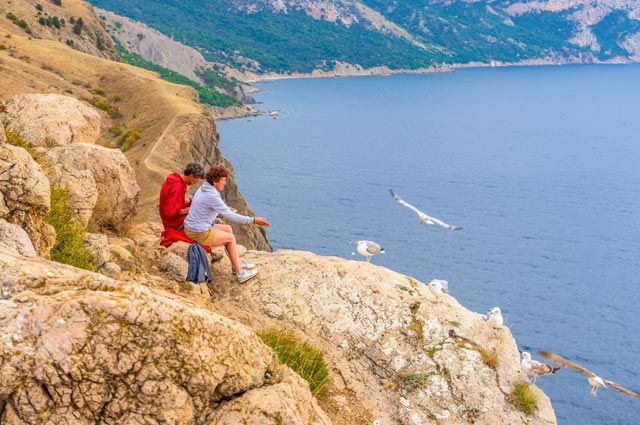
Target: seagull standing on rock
[535,368]
[494,317]
[438,287]
[368,249]
[424,218]
[595,381]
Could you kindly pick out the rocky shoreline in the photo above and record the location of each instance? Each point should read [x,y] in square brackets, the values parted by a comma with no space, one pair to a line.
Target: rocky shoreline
[348,70]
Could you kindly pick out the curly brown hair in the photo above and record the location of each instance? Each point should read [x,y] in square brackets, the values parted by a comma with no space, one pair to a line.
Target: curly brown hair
[215,173]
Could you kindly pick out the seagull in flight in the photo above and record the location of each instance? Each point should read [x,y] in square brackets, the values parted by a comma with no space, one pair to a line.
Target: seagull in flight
[535,368]
[424,218]
[595,381]
[368,249]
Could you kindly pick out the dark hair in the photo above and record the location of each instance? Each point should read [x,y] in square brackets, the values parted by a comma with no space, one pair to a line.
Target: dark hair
[194,169]
[215,173]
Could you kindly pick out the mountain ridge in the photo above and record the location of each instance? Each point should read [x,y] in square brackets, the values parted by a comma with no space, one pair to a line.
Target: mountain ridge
[302,36]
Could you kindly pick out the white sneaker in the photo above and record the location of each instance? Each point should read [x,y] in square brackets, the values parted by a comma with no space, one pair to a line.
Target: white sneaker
[245,275]
[247,266]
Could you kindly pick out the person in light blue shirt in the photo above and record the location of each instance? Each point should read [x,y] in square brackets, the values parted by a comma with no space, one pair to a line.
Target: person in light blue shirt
[200,224]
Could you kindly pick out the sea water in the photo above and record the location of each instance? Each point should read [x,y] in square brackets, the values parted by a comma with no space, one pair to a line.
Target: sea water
[541,166]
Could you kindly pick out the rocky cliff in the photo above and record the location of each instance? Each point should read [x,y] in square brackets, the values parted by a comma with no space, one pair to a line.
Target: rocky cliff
[81,347]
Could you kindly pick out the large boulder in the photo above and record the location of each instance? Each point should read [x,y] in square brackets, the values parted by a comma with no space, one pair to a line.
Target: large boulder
[49,120]
[115,182]
[398,352]
[80,348]
[25,196]
[16,239]
[82,191]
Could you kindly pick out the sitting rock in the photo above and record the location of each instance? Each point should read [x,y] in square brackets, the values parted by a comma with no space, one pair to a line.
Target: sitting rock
[114,178]
[80,348]
[3,137]
[174,266]
[50,120]
[98,246]
[122,258]
[25,196]
[126,243]
[110,269]
[16,239]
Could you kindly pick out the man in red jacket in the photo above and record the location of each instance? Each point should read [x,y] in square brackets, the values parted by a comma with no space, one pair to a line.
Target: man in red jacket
[173,206]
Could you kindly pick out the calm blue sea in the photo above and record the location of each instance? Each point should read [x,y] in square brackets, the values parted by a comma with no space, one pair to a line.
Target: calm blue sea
[540,165]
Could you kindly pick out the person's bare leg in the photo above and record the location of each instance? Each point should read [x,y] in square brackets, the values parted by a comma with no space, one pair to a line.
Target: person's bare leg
[223,227]
[229,241]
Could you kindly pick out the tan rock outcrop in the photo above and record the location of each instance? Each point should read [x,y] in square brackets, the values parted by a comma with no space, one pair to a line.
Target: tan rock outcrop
[117,189]
[3,137]
[79,348]
[407,355]
[50,120]
[25,196]
[16,239]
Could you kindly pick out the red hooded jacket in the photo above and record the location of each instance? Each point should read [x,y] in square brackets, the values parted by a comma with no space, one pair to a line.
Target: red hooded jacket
[172,201]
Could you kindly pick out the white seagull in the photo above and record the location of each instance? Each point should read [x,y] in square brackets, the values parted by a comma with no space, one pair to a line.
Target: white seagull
[424,218]
[595,381]
[494,317]
[368,249]
[438,286]
[535,368]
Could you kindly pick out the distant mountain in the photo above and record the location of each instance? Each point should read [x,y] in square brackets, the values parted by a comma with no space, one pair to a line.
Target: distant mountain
[305,35]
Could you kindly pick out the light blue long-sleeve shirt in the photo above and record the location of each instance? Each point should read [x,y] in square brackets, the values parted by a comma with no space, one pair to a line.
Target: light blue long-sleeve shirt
[205,207]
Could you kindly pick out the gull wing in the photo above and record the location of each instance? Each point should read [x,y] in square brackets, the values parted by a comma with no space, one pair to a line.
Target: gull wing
[540,369]
[621,389]
[445,225]
[406,204]
[372,247]
[564,362]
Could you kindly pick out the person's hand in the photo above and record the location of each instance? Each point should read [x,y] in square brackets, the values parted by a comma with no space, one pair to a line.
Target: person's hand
[261,221]
[184,211]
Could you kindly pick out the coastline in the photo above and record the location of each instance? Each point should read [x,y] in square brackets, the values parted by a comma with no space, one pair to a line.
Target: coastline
[348,70]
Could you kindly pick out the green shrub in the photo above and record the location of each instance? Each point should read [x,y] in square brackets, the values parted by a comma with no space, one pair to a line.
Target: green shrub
[129,138]
[523,398]
[69,246]
[306,360]
[39,7]
[412,380]
[15,139]
[103,104]
[77,26]
[116,131]
[57,2]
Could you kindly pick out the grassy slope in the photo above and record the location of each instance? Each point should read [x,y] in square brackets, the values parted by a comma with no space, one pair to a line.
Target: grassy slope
[206,94]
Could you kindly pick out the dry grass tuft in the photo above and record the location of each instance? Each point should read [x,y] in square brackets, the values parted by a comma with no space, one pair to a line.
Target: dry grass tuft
[305,359]
[523,398]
